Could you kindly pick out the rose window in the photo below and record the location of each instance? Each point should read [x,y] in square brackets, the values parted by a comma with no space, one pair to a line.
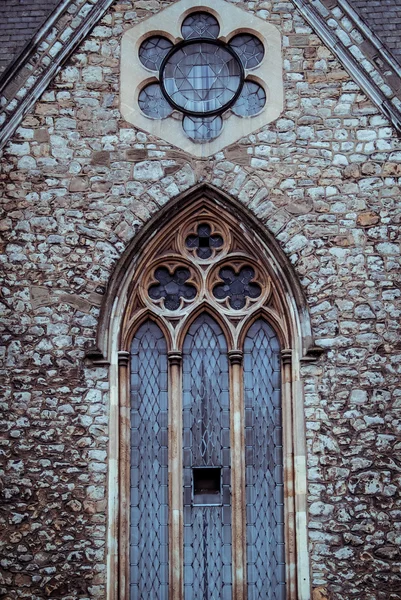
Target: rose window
[202,79]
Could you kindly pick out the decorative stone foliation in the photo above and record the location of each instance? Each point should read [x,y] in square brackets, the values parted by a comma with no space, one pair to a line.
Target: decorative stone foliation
[201,80]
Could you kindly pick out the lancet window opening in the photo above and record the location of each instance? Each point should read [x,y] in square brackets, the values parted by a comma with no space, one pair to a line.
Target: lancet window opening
[204,509]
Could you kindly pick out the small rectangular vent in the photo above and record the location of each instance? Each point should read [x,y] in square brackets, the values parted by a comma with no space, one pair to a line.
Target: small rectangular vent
[207,486]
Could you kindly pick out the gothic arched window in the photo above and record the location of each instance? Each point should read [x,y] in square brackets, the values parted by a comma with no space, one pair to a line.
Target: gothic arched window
[205,512]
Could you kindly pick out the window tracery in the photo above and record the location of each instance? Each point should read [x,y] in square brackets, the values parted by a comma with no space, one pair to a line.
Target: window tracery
[202,76]
[227,368]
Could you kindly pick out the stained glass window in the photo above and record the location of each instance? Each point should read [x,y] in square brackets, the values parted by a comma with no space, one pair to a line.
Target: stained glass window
[237,287]
[204,242]
[200,25]
[149,465]
[153,50]
[202,128]
[251,100]
[264,465]
[201,77]
[206,443]
[249,49]
[172,287]
[153,103]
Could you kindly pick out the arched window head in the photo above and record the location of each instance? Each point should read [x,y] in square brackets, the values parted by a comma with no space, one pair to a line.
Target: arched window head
[205,511]
[210,502]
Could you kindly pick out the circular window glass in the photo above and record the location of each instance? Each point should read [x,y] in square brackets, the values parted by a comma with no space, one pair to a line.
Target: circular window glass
[201,78]
[200,25]
[153,103]
[153,50]
[249,49]
[251,100]
[202,128]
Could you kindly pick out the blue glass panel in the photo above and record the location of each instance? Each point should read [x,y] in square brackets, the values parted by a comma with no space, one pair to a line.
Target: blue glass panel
[206,443]
[149,465]
[264,465]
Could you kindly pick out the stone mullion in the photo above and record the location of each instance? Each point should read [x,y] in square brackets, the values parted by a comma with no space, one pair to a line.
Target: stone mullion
[238,505]
[124,471]
[175,477]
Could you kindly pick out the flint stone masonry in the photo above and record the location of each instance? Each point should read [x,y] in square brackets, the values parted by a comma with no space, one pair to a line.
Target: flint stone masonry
[78,183]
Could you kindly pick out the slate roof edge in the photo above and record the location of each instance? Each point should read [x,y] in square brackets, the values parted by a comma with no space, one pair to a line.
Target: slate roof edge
[354,50]
[31,45]
[31,67]
[368,32]
[42,59]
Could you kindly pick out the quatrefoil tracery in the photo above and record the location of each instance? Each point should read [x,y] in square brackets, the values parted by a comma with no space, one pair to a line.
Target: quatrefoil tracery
[173,288]
[204,242]
[233,283]
[237,287]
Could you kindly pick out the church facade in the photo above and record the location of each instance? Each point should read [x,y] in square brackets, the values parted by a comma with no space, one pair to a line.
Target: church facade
[201,304]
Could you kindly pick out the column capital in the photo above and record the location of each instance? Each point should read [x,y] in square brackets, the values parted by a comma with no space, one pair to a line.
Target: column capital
[175,357]
[236,357]
[123,358]
[286,356]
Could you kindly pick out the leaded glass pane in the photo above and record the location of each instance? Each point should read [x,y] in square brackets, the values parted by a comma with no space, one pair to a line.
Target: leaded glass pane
[149,465]
[202,128]
[204,242]
[202,77]
[172,287]
[249,49]
[237,287]
[200,25]
[152,102]
[251,100]
[206,443]
[264,465]
[153,50]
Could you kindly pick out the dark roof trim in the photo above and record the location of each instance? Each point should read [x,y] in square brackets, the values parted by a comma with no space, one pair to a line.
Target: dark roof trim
[321,15]
[23,56]
[38,75]
[369,34]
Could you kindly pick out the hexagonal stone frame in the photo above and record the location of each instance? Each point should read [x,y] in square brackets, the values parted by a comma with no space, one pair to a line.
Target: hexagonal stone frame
[232,21]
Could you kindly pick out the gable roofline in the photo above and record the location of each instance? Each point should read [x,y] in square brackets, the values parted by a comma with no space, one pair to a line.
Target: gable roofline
[360,52]
[29,76]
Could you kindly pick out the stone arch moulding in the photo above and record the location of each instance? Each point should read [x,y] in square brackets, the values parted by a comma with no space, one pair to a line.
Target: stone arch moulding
[282,304]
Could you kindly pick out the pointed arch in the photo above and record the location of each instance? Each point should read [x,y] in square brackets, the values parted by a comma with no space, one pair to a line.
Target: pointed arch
[157,254]
[117,293]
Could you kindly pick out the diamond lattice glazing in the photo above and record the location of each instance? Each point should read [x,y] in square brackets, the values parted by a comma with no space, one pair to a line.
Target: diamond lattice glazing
[249,49]
[206,442]
[149,465]
[264,465]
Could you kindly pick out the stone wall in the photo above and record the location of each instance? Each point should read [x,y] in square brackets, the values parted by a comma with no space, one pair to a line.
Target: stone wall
[78,183]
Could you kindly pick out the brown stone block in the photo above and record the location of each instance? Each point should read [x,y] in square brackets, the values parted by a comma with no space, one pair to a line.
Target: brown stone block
[368,219]
[320,593]
[41,135]
[101,158]
[136,155]
[79,184]
[391,169]
[315,77]
[299,41]
[48,110]
[337,76]
[352,171]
